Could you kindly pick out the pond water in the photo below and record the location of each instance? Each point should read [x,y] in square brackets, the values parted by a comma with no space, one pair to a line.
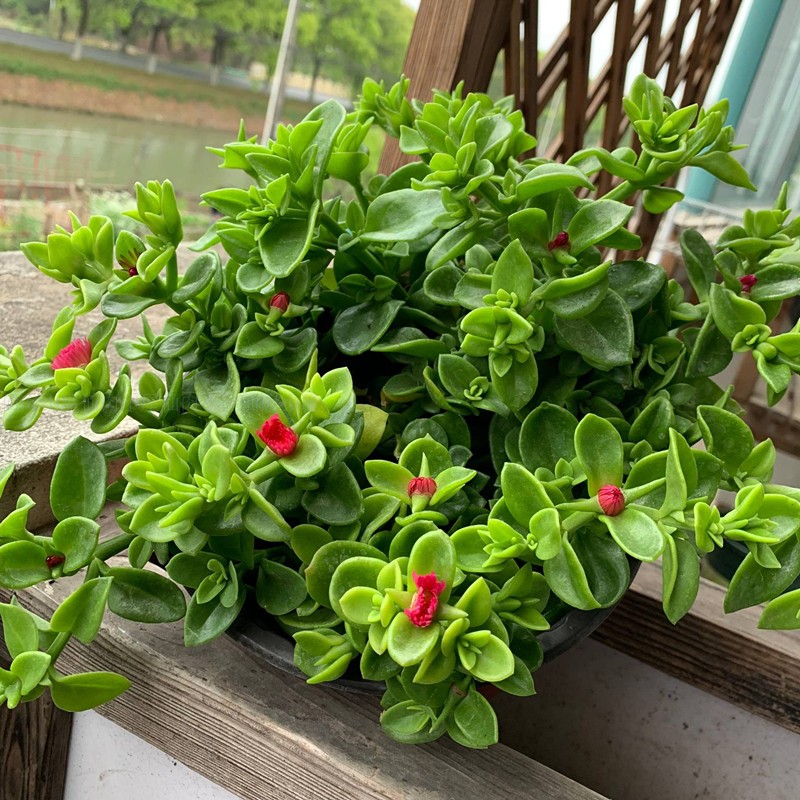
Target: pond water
[39,145]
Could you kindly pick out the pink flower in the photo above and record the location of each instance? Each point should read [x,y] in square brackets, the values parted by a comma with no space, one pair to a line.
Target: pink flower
[748,282]
[280,301]
[426,486]
[611,499]
[560,241]
[426,599]
[75,354]
[280,438]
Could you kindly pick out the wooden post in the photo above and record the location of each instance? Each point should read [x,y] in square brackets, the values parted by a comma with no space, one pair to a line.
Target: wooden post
[452,41]
[34,743]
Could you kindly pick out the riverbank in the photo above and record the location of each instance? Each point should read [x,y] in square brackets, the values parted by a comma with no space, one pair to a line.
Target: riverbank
[48,80]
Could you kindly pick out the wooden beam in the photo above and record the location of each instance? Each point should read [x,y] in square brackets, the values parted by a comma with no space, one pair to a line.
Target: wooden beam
[725,655]
[34,744]
[530,102]
[266,735]
[513,54]
[580,45]
[452,41]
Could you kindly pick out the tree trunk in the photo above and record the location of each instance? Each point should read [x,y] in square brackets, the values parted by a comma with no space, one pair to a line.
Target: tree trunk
[83,24]
[126,33]
[152,57]
[62,22]
[217,55]
[315,70]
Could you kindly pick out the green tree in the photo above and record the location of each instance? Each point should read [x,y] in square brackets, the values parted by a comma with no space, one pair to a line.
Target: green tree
[240,24]
[338,35]
[349,39]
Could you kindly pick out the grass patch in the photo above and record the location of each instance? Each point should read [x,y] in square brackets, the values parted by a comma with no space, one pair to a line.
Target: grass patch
[18,60]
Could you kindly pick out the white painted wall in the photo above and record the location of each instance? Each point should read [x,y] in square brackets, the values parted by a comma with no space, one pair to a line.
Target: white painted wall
[630,732]
[107,762]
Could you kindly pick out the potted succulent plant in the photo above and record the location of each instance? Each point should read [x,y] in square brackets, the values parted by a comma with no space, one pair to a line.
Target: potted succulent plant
[416,423]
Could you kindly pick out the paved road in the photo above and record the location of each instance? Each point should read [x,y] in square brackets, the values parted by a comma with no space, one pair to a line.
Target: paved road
[138,62]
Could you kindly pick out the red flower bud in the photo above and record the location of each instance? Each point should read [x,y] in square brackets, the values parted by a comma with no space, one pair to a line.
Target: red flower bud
[54,561]
[561,241]
[75,354]
[748,282]
[280,438]
[611,499]
[133,272]
[426,599]
[426,486]
[280,301]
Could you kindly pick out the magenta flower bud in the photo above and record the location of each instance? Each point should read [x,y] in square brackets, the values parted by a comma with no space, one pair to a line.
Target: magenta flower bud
[75,354]
[559,242]
[611,499]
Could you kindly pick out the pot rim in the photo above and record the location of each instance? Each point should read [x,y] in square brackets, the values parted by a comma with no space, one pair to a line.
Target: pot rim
[259,634]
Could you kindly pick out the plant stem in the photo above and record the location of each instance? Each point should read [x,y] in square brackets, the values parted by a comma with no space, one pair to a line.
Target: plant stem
[362,198]
[113,546]
[60,642]
[172,274]
[145,418]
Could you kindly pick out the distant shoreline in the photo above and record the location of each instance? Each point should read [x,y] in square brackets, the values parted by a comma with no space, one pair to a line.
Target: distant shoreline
[59,94]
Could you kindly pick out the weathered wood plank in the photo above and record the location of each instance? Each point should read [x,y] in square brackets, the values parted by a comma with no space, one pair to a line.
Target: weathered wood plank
[262,734]
[34,744]
[725,655]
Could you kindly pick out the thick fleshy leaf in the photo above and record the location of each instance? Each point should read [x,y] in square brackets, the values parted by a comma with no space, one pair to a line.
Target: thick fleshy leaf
[594,221]
[547,435]
[82,612]
[753,584]
[338,499]
[408,644]
[567,578]
[22,564]
[78,486]
[86,690]
[604,337]
[357,571]
[76,538]
[783,613]
[725,435]
[308,458]
[359,327]
[319,573]
[636,533]
[19,629]
[285,245]
[474,723]
[433,552]
[206,621]
[681,577]
[142,595]
[218,387]
[598,446]
[402,216]
[279,589]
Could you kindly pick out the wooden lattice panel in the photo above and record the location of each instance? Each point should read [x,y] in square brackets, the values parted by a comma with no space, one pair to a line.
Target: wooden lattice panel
[680,43]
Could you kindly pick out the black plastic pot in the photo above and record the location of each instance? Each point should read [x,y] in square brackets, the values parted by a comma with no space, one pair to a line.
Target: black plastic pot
[261,635]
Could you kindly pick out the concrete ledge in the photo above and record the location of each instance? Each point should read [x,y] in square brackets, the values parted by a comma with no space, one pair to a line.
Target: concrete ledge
[29,301]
